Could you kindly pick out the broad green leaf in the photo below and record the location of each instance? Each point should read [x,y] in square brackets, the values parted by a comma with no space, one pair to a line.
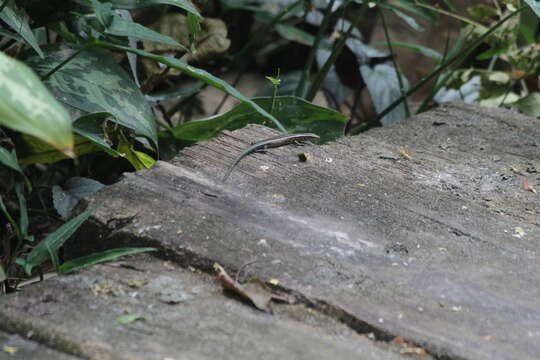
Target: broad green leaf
[135,4]
[27,106]
[12,16]
[139,160]
[93,82]
[529,22]
[9,159]
[122,27]
[179,93]
[92,259]
[76,188]
[424,50]
[129,318]
[89,127]
[103,11]
[295,34]
[36,151]
[196,73]
[383,87]
[298,115]
[54,241]
[530,104]
[534,5]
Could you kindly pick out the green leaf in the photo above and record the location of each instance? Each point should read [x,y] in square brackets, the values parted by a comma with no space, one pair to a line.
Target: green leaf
[135,4]
[9,159]
[10,35]
[122,27]
[89,127]
[36,151]
[194,28]
[179,92]
[530,104]
[27,106]
[139,160]
[409,6]
[409,20]
[299,116]
[293,33]
[287,86]
[103,11]
[12,16]
[92,259]
[275,82]
[23,212]
[196,73]
[129,318]
[76,188]
[54,241]
[10,219]
[534,5]
[94,82]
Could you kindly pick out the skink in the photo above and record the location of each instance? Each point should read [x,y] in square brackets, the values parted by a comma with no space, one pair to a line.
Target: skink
[272,142]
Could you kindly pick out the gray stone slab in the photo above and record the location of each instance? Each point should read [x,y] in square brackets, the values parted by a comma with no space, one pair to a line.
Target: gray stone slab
[440,247]
[15,347]
[187,316]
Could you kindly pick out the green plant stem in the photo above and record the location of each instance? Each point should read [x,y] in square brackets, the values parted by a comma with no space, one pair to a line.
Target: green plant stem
[452,15]
[398,72]
[257,39]
[10,220]
[317,83]
[462,54]
[311,56]
[59,66]
[274,95]
[439,84]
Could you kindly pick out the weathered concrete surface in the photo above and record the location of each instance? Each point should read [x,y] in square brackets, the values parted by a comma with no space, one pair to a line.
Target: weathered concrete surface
[187,317]
[15,347]
[437,242]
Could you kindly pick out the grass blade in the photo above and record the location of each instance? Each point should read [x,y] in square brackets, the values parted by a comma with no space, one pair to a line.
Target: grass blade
[53,241]
[92,259]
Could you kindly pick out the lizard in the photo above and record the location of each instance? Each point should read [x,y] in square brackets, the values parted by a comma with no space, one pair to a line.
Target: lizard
[272,142]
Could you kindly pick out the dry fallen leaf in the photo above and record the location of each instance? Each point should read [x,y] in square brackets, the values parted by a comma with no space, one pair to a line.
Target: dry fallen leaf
[255,291]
